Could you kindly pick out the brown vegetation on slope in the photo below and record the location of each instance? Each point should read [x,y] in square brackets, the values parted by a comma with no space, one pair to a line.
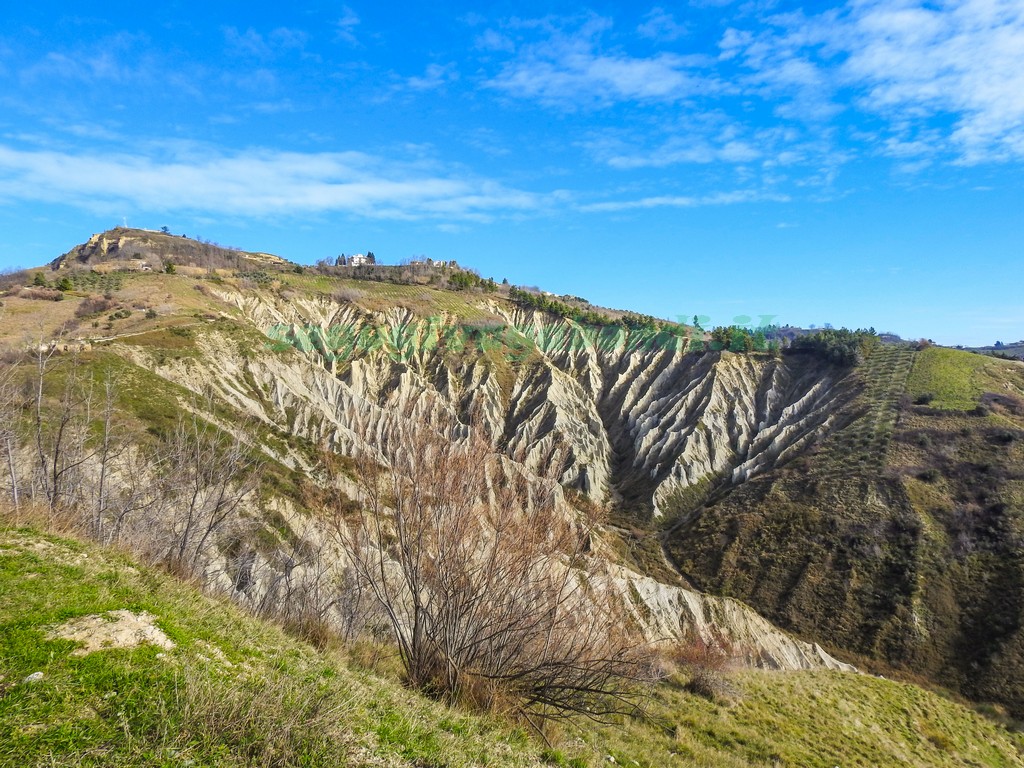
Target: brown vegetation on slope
[903,542]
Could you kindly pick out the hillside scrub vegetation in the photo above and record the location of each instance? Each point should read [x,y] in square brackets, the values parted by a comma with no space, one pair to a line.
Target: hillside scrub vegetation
[223,690]
[531,300]
[124,244]
[580,311]
[897,536]
[735,339]
[171,497]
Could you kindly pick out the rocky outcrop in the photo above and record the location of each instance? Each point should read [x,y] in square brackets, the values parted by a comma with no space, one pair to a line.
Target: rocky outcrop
[631,417]
[671,613]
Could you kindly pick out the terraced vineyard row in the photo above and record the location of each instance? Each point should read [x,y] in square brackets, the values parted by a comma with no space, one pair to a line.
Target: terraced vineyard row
[862,445]
[427,300]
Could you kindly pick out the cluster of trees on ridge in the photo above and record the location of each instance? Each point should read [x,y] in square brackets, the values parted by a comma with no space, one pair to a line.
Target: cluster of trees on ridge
[735,338]
[450,277]
[585,316]
[838,345]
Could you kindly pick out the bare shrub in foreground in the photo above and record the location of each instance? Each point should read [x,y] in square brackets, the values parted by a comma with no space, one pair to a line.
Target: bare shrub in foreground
[705,660]
[485,584]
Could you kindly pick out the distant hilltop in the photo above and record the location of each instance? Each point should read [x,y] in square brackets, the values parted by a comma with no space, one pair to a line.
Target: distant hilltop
[148,250]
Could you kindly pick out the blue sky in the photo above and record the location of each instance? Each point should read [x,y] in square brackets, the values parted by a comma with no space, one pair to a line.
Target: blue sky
[853,163]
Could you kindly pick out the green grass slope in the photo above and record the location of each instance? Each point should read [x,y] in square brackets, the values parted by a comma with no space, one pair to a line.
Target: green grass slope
[953,380]
[813,720]
[235,691]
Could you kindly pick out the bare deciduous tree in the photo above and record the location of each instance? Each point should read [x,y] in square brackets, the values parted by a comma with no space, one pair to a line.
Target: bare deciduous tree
[61,428]
[486,584]
[170,500]
[206,475]
[10,417]
[130,492]
[121,481]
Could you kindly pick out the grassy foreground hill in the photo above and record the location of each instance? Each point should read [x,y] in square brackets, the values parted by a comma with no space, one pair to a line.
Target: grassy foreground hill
[220,688]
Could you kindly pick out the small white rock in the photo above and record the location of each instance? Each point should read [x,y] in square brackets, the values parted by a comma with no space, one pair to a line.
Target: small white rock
[35,677]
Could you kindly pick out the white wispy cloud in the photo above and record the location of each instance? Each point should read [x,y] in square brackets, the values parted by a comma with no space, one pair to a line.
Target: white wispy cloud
[674,151]
[661,25]
[725,150]
[262,81]
[264,46]
[786,63]
[435,76]
[936,81]
[127,61]
[913,64]
[346,25]
[272,107]
[567,69]
[492,40]
[249,42]
[684,201]
[688,107]
[255,183]
[961,59]
[121,58]
[488,141]
[85,131]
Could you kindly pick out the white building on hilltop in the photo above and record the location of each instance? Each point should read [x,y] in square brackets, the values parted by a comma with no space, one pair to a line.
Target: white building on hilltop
[357,260]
